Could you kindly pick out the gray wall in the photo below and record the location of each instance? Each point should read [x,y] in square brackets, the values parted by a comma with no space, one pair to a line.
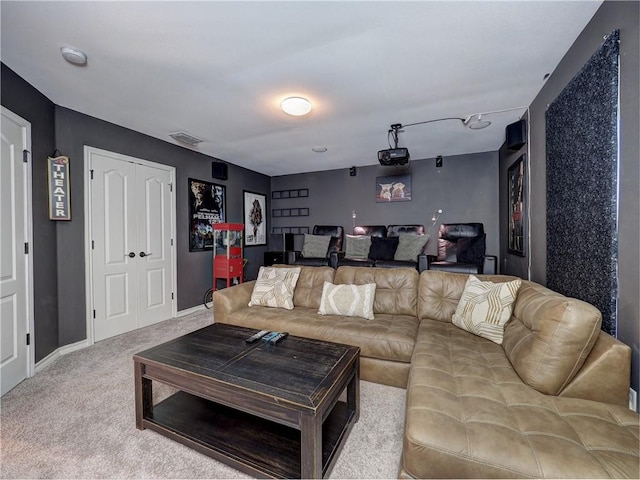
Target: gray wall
[612,15]
[25,101]
[466,188]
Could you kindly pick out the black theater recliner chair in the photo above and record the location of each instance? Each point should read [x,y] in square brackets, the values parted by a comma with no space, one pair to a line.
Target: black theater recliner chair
[461,249]
[311,254]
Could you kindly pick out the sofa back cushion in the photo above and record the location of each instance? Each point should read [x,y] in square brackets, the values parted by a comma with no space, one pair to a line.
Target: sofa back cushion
[396,288]
[440,292]
[308,290]
[549,337]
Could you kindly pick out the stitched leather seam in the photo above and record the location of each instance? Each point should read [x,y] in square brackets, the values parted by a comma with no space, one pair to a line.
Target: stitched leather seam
[572,373]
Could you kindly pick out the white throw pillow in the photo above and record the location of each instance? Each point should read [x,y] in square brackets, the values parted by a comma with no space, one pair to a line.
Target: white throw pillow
[348,300]
[485,307]
[274,287]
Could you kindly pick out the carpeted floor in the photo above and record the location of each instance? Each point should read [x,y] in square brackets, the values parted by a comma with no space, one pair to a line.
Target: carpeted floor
[75,419]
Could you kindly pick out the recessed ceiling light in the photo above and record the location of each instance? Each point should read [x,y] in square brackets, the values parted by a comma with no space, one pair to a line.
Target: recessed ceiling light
[296,106]
[319,149]
[73,55]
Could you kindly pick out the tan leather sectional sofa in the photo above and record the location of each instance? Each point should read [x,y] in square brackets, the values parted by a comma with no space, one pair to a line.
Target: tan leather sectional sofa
[550,402]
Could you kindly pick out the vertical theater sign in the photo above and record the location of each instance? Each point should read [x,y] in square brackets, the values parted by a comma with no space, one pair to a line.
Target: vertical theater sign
[58,180]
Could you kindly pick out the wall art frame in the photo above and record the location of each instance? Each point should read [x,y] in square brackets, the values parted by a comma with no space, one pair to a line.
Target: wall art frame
[517,207]
[207,206]
[254,218]
[393,188]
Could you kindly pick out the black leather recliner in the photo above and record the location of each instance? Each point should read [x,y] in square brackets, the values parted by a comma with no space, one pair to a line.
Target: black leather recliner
[381,231]
[461,249]
[335,245]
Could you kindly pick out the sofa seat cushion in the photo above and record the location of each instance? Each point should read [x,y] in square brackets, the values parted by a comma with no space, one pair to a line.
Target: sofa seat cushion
[386,337]
[469,415]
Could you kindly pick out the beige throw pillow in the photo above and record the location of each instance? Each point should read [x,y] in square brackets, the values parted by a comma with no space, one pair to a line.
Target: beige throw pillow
[348,300]
[485,307]
[357,247]
[409,247]
[315,246]
[274,287]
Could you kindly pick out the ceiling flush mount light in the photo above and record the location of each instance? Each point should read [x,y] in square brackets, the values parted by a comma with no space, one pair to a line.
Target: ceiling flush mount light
[475,122]
[74,56]
[296,106]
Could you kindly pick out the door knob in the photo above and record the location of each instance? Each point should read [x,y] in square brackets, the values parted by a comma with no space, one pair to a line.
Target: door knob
[142,254]
[131,254]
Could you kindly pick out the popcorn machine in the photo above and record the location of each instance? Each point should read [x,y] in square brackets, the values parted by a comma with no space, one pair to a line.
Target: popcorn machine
[227,254]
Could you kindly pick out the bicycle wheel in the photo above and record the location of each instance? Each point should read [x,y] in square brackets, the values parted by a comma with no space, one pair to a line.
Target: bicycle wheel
[208,298]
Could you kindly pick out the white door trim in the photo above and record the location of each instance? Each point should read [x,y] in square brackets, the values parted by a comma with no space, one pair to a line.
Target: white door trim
[88,151]
[31,351]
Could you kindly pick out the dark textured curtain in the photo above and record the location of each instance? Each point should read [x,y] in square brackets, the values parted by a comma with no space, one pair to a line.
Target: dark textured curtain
[582,184]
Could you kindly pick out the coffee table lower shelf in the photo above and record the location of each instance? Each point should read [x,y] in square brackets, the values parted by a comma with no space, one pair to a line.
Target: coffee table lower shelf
[252,444]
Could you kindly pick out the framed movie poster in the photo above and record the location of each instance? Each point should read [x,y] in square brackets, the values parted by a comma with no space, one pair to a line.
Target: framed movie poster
[207,205]
[517,238]
[396,188]
[255,218]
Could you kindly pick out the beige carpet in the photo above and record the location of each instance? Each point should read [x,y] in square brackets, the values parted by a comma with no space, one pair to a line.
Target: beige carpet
[75,419]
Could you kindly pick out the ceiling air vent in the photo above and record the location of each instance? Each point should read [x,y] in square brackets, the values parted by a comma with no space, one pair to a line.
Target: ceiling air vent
[184,137]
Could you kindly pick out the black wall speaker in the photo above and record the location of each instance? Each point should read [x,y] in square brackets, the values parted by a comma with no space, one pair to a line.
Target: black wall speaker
[516,134]
[352,171]
[219,170]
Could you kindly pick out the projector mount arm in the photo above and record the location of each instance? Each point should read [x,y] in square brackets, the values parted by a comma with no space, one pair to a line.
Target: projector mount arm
[397,127]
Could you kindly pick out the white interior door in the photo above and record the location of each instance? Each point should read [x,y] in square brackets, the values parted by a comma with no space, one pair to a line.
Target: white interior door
[153,189]
[14,284]
[132,256]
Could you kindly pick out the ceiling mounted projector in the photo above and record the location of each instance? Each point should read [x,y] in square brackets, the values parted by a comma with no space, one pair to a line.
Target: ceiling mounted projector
[393,156]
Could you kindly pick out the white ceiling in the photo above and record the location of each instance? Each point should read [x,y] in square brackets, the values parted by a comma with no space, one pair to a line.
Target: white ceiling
[218,71]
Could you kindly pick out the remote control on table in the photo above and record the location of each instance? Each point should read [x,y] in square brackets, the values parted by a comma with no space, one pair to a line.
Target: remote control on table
[257,336]
[269,336]
[278,338]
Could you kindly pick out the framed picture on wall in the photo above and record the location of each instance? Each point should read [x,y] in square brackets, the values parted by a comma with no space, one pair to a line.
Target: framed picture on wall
[255,218]
[395,188]
[517,207]
[207,205]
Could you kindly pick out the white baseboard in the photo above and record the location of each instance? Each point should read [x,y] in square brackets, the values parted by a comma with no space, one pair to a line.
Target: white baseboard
[53,356]
[191,310]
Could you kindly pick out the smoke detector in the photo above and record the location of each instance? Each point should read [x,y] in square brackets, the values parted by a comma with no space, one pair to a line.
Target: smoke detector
[184,137]
[73,55]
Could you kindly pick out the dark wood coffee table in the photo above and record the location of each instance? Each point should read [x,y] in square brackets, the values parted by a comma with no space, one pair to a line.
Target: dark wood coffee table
[268,410]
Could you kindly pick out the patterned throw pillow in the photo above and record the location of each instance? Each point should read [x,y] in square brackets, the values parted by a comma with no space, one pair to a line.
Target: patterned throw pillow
[315,246]
[485,307]
[348,300]
[357,247]
[409,247]
[274,287]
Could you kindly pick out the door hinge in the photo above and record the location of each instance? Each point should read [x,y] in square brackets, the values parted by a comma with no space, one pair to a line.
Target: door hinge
[94,314]
[28,339]
[171,187]
[91,174]
[93,245]
[172,242]
[26,248]
[25,156]
[171,295]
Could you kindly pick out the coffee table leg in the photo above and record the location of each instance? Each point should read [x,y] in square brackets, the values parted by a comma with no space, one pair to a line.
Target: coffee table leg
[143,393]
[353,394]
[311,446]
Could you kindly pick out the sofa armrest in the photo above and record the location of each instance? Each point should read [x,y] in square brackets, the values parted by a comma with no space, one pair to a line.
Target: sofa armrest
[292,256]
[334,259]
[605,375]
[230,299]
[489,265]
